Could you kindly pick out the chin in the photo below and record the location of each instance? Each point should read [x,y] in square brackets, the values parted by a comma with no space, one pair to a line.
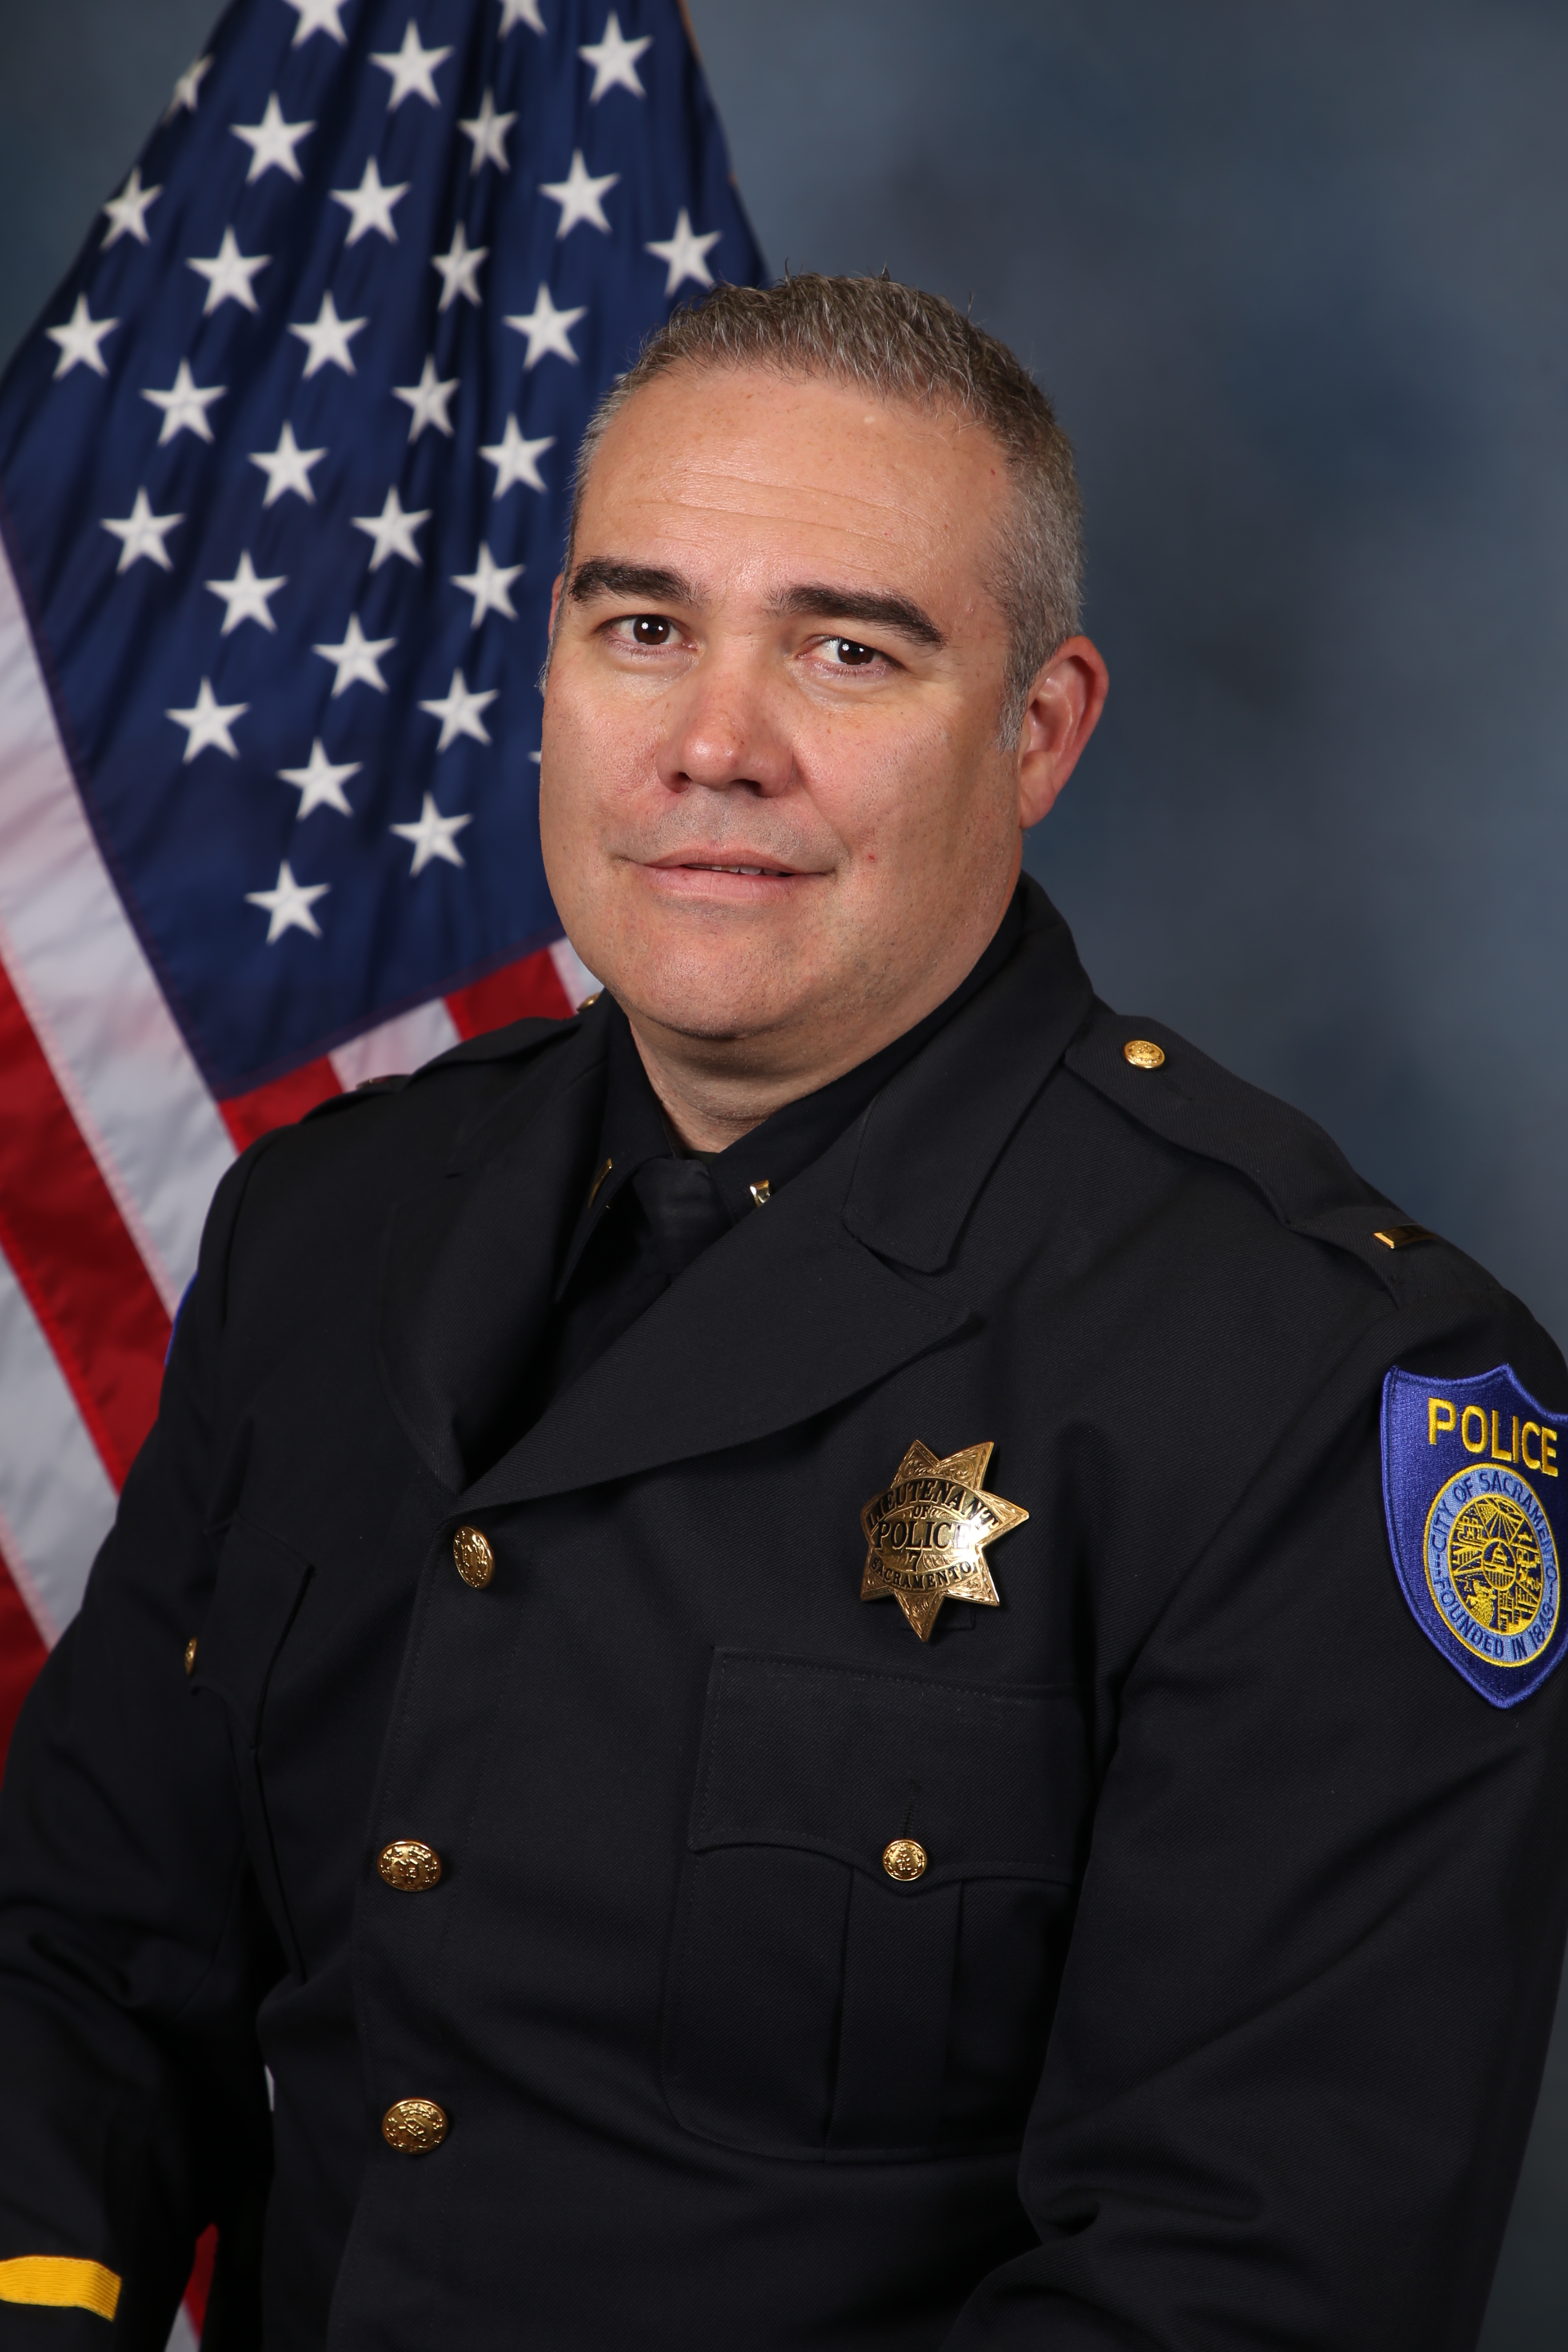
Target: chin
[720,1013]
[712,995]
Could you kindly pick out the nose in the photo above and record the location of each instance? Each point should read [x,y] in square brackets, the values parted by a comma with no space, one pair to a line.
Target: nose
[723,733]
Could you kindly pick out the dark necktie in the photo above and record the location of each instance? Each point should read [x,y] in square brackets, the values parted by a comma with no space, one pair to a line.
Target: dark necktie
[682,1205]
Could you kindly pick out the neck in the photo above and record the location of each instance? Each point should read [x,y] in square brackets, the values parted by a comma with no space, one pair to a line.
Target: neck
[712,1092]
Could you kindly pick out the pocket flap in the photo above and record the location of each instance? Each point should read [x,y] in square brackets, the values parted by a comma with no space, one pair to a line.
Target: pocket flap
[838,1760]
[260,1582]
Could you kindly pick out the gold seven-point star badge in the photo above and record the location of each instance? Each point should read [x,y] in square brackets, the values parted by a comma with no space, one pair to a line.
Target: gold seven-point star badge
[926,1535]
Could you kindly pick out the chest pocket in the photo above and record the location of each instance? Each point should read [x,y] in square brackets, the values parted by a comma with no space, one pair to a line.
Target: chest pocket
[816,2006]
[260,1586]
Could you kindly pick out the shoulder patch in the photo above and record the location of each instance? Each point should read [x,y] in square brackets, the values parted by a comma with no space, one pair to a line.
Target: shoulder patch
[1471,1488]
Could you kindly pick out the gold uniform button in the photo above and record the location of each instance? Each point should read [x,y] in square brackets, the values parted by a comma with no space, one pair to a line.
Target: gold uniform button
[1143,1053]
[414,2126]
[475,1560]
[904,1860]
[410,1866]
[191,1655]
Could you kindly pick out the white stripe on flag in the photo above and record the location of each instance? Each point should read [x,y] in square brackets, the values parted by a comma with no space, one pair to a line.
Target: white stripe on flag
[182,2337]
[396,1046]
[55,1501]
[572,972]
[143,1109]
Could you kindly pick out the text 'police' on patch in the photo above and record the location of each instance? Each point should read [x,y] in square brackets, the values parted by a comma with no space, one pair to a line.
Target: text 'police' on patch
[1471,1487]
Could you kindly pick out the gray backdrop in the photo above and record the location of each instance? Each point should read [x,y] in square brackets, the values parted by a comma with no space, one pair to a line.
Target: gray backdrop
[1295,276]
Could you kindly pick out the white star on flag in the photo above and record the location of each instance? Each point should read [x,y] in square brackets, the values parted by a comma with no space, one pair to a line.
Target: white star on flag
[319,783]
[272,142]
[228,275]
[288,468]
[488,130]
[142,533]
[127,212]
[432,836]
[460,269]
[686,255]
[358,659]
[614,61]
[578,196]
[185,405]
[428,400]
[514,457]
[488,583]
[547,329]
[245,597]
[393,531]
[520,12]
[186,89]
[413,70]
[80,338]
[370,205]
[318,17]
[289,905]
[327,339]
[459,712]
[207,724]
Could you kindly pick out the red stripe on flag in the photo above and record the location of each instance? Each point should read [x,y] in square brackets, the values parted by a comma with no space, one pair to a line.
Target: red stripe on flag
[520,991]
[69,1250]
[21,1654]
[279,1103]
[200,2280]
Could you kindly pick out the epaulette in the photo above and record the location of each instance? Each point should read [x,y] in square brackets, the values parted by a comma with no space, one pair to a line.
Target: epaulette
[1168,1085]
[388,1085]
[515,1042]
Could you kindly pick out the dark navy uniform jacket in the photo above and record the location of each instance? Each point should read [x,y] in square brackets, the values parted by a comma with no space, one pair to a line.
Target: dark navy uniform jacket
[1216,2016]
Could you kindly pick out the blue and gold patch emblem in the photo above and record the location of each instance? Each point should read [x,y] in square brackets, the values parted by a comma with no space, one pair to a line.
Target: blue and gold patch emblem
[1470,1486]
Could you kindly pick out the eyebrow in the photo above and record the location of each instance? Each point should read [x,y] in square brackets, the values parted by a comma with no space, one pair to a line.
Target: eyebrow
[604,577]
[811,599]
[819,599]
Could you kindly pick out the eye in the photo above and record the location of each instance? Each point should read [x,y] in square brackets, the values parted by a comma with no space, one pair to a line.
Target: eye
[649,629]
[850,653]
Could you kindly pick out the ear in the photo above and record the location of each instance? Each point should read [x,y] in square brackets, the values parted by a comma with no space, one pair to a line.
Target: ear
[1063,711]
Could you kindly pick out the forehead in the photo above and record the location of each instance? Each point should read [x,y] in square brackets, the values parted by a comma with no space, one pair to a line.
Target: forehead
[722,466]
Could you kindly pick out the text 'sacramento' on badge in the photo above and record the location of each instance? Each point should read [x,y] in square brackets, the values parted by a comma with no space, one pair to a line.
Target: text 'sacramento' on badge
[926,1534]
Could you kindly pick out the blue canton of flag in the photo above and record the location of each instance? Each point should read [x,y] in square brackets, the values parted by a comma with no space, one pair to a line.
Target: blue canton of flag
[285,478]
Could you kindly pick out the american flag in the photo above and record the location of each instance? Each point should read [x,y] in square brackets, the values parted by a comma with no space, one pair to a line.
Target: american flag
[284,475]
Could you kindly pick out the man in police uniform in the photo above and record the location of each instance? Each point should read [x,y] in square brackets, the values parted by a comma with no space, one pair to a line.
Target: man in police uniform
[848,1655]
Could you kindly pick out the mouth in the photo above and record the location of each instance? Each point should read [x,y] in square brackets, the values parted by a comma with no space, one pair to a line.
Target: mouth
[705,865]
[695,862]
[744,878]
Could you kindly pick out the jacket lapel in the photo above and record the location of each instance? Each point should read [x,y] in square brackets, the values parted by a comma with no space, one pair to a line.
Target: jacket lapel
[785,1317]
[468,1264]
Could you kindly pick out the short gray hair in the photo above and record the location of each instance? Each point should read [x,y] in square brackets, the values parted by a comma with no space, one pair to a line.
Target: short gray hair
[901,344]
